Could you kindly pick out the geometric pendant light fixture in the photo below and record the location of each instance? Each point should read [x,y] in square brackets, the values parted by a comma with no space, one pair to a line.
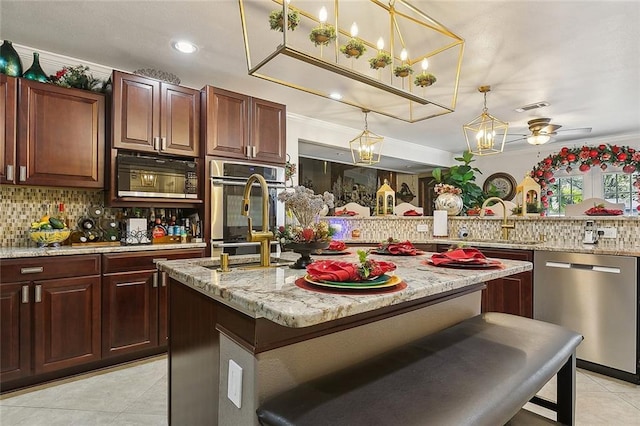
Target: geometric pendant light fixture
[485,134]
[367,146]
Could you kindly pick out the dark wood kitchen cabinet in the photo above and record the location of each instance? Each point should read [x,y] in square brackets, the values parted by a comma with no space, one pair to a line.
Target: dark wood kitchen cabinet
[512,294]
[155,117]
[134,301]
[51,135]
[8,114]
[50,315]
[243,127]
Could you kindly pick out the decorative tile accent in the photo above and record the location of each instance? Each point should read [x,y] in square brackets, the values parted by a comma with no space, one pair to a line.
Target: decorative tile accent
[22,205]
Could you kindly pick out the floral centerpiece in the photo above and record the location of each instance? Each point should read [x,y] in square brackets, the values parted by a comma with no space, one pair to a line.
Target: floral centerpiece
[444,188]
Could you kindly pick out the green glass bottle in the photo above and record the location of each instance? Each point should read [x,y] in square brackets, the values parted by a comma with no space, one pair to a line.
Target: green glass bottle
[35,72]
[10,63]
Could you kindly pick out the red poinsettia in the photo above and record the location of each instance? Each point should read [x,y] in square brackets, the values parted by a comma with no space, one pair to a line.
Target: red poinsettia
[586,157]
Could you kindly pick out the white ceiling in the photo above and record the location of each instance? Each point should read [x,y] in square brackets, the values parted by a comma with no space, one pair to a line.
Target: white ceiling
[583,57]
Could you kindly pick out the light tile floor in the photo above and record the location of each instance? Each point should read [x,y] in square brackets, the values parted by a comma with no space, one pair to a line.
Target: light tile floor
[136,394]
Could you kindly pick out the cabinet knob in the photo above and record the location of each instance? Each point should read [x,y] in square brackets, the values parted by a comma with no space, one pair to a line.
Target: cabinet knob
[9,171]
[38,294]
[156,143]
[163,143]
[23,173]
[25,294]
[155,280]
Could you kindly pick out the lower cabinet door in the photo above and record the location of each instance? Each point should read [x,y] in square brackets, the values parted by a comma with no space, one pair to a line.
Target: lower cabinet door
[66,322]
[15,331]
[129,312]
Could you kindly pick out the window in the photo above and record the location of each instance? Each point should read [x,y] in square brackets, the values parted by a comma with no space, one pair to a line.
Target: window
[566,190]
[618,188]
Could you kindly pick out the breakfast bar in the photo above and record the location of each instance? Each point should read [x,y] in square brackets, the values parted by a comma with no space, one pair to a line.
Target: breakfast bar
[240,337]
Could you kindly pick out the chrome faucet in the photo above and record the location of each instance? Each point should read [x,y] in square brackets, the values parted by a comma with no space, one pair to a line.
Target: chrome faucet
[505,226]
[264,236]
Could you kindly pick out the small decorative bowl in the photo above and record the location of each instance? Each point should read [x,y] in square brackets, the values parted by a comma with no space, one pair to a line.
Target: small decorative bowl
[45,237]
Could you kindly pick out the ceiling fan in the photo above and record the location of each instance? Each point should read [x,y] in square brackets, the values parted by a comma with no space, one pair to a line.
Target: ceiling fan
[542,131]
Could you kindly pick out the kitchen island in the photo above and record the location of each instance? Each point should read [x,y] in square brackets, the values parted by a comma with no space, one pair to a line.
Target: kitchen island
[282,335]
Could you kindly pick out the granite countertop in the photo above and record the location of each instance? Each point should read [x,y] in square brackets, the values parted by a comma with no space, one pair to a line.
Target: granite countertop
[271,293]
[620,250]
[17,252]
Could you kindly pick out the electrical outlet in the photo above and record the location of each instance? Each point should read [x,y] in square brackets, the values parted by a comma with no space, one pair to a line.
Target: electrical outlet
[234,383]
[608,232]
[423,228]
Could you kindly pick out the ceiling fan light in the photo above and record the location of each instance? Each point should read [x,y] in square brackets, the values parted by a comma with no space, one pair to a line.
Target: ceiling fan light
[538,139]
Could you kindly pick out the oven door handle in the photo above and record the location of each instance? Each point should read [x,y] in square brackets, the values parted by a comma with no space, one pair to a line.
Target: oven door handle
[215,181]
[217,244]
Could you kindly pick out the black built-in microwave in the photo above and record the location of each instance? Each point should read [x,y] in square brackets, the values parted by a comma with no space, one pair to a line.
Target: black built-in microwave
[156,177]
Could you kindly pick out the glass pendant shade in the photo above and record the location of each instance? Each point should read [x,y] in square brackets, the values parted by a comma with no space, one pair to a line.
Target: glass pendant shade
[10,63]
[35,72]
[538,139]
[485,134]
[366,147]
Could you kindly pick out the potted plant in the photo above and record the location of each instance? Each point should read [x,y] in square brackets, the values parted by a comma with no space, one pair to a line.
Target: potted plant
[424,79]
[381,60]
[402,70]
[353,49]
[322,35]
[276,20]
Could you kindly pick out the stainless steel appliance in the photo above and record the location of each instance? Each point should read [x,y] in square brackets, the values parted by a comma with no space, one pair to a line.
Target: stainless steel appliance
[156,177]
[595,295]
[228,226]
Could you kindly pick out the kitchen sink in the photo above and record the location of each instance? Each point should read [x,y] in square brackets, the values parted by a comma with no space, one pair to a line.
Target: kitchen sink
[275,263]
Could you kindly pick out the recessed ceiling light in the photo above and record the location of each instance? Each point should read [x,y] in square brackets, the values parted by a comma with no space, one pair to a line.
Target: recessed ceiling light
[185,46]
[335,95]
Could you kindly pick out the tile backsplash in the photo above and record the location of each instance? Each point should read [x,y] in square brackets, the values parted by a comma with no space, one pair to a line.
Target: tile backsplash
[21,206]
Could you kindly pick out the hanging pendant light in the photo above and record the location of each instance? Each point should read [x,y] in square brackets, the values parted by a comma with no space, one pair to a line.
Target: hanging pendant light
[367,146]
[486,134]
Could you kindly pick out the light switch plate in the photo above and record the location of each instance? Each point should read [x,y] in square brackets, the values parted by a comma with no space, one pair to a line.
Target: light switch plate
[423,228]
[234,383]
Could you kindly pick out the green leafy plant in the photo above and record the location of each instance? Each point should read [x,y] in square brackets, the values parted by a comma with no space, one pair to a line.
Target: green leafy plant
[276,21]
[402,70]
[381,60]
[353,49]
[462,176]
[424,79]
[322,35]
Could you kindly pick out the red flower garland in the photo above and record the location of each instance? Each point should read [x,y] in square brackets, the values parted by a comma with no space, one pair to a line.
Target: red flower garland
[601,156]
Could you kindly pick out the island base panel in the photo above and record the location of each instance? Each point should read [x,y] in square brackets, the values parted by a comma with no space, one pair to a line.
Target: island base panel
[272,372]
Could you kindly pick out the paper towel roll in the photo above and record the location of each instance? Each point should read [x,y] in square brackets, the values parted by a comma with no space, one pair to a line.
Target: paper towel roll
[440,223]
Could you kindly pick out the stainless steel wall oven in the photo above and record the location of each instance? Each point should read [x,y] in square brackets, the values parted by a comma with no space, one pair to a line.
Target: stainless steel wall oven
[228,226]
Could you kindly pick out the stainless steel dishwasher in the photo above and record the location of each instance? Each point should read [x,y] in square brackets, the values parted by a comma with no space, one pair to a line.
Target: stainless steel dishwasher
[597,296]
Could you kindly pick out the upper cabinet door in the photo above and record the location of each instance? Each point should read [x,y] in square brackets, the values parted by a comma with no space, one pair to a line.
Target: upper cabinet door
[60,136]
[8,116]
[136,112]
[268,127]
[180,123]
[226,119]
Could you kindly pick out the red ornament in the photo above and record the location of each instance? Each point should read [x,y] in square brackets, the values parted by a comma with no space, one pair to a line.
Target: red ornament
[539,172]
[603,166]
[584,167]
[615,149]
[548,161]
[593,153]
[629,168]
[571,158]
[548,174]
[595,161]
[552,180]
[564,150]
[602,147]
[606,156]
[622,156]
[549,193]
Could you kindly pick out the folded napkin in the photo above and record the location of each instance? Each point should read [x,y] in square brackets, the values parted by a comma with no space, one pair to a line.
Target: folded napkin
[400,248]
[337,246]
[331,270]
[345,212]
[411,213]
[459,255]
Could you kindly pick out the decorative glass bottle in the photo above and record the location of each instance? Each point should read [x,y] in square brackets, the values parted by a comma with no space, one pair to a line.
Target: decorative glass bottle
[450,202]
[10,63]
[35,72]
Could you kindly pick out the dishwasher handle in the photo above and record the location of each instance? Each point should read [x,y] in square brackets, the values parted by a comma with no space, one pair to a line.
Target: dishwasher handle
[584,267]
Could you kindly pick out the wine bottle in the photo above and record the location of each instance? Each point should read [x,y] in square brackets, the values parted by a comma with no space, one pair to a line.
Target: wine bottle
[86,223]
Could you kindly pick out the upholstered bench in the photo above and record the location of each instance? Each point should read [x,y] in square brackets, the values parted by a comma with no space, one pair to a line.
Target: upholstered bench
[481,371]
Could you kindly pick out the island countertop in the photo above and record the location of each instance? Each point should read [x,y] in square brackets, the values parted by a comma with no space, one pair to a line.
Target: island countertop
[271,293]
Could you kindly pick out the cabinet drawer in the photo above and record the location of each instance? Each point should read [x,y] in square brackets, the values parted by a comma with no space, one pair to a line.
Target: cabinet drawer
[140,261]
[40,268]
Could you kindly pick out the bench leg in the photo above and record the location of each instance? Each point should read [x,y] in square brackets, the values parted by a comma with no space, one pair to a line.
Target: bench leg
[566,391]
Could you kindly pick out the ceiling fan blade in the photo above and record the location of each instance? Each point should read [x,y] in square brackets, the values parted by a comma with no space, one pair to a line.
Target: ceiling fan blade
[550,128]
[579,130]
